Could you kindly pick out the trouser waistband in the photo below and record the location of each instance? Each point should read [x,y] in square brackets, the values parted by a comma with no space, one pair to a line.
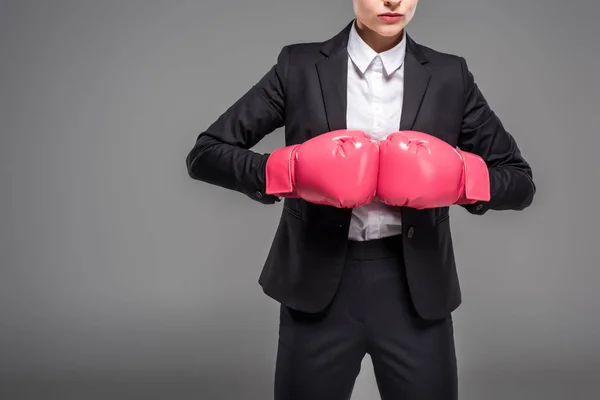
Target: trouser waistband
[375,249]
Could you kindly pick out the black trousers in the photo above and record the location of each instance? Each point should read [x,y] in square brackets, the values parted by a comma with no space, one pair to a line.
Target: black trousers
[319,355]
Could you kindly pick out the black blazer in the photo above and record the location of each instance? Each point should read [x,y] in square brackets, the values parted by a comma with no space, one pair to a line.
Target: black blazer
[305,92]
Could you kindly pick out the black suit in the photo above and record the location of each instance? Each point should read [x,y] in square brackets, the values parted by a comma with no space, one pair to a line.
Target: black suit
[306,93]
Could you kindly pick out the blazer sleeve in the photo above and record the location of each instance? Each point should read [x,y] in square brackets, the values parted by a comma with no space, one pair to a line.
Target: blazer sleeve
[221,154]
[482,133]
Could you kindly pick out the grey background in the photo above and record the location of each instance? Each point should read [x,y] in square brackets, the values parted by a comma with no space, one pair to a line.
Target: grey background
[123,278]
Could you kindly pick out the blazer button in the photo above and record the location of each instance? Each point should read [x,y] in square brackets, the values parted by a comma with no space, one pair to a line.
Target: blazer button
[411,232]
[258,195]
[479,207]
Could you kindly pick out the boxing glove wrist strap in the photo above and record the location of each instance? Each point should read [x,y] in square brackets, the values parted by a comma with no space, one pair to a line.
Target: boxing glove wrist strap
[279,172]
[476,177]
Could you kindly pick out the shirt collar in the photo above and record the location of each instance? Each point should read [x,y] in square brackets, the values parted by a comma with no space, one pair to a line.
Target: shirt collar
[362,55]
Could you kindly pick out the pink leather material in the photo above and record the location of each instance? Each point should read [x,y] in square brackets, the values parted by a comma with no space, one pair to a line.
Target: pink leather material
[279,171]
[476,178]
[420,171]
[337,168]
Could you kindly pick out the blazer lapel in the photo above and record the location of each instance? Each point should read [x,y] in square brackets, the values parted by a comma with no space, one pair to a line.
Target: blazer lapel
[332,71]
[332,77]
[416,80]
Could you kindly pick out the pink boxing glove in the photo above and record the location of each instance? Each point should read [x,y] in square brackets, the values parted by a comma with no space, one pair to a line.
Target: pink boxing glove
[337,168]
[420,171]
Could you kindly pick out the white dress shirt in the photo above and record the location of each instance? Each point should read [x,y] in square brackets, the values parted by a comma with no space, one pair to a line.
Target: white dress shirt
[375,97]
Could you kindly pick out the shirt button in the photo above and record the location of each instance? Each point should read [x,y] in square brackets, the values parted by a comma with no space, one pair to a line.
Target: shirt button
[479,207]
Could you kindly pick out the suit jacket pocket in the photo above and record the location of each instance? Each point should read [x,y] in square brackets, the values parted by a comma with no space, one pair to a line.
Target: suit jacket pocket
[441,214]
[292,207]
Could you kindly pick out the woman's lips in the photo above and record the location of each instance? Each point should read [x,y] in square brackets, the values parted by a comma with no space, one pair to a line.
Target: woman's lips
[390,17]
